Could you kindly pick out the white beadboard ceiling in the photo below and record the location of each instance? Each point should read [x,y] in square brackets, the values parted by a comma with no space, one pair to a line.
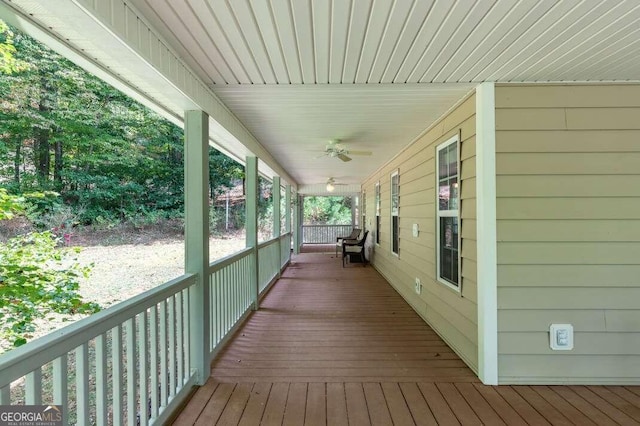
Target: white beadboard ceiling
[374,73]
[401,41]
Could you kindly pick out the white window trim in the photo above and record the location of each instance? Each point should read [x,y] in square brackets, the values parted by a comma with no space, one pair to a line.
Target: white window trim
[456,213]
[391,215]
[377,207]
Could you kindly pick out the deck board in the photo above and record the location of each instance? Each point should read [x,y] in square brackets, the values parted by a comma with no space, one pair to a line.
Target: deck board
[400,414]
[336,404]
[274,411]
[338,346]
[252,414]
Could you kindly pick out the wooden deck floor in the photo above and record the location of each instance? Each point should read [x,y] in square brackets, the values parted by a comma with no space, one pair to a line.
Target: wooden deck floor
[332,346]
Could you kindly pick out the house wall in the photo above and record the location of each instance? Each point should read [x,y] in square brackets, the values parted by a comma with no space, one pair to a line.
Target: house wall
[451,314]
[568,230]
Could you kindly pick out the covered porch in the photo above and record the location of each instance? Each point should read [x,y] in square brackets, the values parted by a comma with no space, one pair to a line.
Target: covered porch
[333,345]
[289,89]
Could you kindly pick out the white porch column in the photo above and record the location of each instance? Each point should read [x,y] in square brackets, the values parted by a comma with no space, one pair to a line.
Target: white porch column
[275,190]
[251,225]
[297,222]
[486,234]
[196,214]
[276,206]
[287,209]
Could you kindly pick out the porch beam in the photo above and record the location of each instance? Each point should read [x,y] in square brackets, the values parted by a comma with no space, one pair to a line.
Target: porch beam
[486,234]
[196,212]
[251,225]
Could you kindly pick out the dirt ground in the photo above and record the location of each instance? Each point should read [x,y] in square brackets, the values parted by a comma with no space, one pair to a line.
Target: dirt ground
[122,271]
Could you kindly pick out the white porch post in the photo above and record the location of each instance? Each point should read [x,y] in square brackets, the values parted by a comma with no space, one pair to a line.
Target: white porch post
[276,206]
[297,222]
[287,209]
[251,205]
[275,190]
[196,213]
[486,234]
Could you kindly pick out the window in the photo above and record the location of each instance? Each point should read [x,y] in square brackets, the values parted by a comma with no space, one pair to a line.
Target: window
[395,207]
[377,213]
[364,210]
[447,212]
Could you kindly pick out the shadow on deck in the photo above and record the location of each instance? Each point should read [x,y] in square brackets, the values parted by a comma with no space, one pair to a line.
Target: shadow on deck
[333,345]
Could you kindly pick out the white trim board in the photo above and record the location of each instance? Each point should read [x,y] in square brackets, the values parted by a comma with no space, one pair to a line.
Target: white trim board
[486,234]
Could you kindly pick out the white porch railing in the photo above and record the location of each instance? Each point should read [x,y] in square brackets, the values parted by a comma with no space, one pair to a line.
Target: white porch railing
[285,249]
[230,291]
[269,262]
[324,234]
[128,364]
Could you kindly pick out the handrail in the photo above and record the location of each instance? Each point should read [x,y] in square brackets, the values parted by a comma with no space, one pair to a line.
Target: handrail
[334,225]
[324,234]
[24,359]
[228,260]
[268,242]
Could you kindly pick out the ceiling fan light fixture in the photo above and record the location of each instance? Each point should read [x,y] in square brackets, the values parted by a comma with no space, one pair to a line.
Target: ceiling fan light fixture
[330,186]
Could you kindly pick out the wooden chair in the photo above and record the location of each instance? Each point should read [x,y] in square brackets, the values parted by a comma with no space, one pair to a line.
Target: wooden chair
[354,250]
[351,237]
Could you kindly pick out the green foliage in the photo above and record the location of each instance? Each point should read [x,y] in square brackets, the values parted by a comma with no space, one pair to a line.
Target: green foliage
[36,278]
[327,210]
[110,158]
[8,63]
[9,205]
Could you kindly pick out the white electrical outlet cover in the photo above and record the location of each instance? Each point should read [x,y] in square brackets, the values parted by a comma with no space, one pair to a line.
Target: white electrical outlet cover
[561,337]
[416,230]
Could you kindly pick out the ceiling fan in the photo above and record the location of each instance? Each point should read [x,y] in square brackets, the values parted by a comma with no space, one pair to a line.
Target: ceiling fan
[335,150]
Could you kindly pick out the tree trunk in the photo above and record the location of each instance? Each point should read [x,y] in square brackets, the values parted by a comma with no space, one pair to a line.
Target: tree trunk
[42,145]
[17,160]
[57,166]
[43,163]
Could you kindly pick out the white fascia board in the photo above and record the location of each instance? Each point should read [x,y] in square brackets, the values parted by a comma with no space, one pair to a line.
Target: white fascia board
[486,234]
[149,72]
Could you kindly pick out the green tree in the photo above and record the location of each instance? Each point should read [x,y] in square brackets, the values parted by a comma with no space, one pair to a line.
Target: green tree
[110,158]
[327,210]
[8,62]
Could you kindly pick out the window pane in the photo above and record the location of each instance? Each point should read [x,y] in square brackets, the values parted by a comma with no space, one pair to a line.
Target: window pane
[444,194]
[453,159]
[394,194]
[396,235]
[449,249]
[453,193]
[443,169]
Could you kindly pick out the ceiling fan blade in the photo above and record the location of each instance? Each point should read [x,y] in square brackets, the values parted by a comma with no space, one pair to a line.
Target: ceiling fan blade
[344,157]
[359,152]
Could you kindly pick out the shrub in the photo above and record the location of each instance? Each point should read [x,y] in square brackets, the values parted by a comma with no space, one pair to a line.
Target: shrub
[36,278]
